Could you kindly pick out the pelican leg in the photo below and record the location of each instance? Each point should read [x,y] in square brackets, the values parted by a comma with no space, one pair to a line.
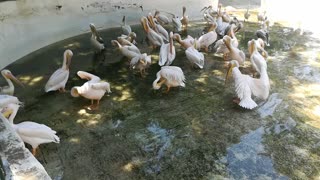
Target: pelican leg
[206,49]
[236,100]
[62,90]
[168,89]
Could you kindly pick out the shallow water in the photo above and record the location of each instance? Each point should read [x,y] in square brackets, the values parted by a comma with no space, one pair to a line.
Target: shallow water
[195,132]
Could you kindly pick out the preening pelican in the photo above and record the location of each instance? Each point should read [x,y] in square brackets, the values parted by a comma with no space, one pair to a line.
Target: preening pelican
[8,76]
[30,132]
[234,53]
[128,51]
[154,37]
[256,58]
[186,43]
[158,28]
[195,57]
[171,76]
[161,18]
[184,20]
[167,52]
[246,86]
[59,78]
[141,63]
[125,42]
[96,40]
[93,89]
[126,29]
[131,37]
[177,25]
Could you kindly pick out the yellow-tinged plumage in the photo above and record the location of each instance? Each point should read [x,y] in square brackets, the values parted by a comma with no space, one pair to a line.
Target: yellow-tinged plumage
[171,76]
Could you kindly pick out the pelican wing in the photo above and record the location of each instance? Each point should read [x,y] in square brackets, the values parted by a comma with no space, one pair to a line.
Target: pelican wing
[243,90]
[173,73]
[195,57]
[177,23]
[99,39]
[133,48]
[59,77]
[101,86]
[163,56]
[88,76]
[134,61]
[7,99]
[163,33]
[31,129]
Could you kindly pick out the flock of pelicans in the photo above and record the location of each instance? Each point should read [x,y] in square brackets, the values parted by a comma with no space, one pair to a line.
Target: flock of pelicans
[221,34]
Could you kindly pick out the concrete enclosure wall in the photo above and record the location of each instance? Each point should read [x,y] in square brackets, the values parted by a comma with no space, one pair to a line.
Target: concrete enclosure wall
[27,25]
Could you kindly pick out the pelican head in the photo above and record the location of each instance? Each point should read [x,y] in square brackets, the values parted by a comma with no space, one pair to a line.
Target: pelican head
[156,85]
[231,65]
[251,46]
[68,55]
[8,75]
[227,40]
[93,29]
[75,92]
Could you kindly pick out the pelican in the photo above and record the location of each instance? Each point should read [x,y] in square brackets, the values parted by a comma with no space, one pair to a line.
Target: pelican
[158,28]
[141,63]
[131,37]
[209,14]
[246,86]
[167,52]
[125,42]
[184,20]
[234,53]
[59,78]
[171,76]
[30,132]
[247,15]
[93,89]
[220,45]
[8,76]
[154,38]
[96,40]
[195,57]
[128,51]
[207,39]
[8,99]
[263,33]
[177,25]
[126,29]
[186,43]
[257,60]
[161,18]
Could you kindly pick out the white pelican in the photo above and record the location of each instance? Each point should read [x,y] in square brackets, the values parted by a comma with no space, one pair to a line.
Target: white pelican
[263,33]
[126,29]
[177,25]
[141,63]
[195,57]
[209,14]
[131,37]
[125,42]
[8,99]
[158,28]
[93,89]
[222,48]
[96,40]
[184,20]
[167,52]
[59,78]
[207,39]
[234,53]
[30,132]
[257,60]
[171,76]
[154,37]
[246,86]
[161,18]
[186,43]
[128,51]
[8,76]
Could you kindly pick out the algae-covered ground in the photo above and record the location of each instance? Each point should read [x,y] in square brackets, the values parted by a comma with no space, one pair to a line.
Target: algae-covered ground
[196,132]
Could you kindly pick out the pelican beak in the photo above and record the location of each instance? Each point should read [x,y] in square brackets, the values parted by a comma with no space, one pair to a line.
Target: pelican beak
[231,66]
[12,77]
[6,112]
[68,60]
[143,22]
[150,18]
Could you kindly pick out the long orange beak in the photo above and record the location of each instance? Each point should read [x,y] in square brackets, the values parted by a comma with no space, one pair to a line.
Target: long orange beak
[12,77]
[228,73]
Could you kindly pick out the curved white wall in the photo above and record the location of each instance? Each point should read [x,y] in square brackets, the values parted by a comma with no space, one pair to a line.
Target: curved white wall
[27,25]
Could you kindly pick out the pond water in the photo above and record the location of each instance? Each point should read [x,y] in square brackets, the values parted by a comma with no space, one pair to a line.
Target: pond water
[195,132]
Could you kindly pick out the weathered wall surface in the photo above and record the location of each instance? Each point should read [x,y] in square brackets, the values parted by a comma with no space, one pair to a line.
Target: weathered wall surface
[27,25]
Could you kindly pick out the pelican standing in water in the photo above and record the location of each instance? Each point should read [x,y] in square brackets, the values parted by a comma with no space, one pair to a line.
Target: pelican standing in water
[154,37]
[8,76]
[59,78]
[93,89]
[246,86]
[171,76]
[30,132]
[126,29]
[184,20]
[96,40]
[167,52]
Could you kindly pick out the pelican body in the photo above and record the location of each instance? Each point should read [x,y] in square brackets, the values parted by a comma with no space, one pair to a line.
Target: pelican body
[247,86]
[93,89]
[257,60]
[158,28]
[59,78]
[171,76]
[177,25]
[141,63]
[127,50]
[195,57]
[30,132]
[209,38]
[234,53]
[185,43]
[96,40]
[8,76]
[154,37]
[167,52]
[161,18]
